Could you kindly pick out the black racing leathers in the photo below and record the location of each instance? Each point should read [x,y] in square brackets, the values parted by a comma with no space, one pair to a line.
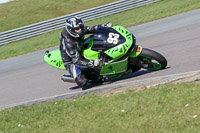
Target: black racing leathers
[70,47]
[70,51]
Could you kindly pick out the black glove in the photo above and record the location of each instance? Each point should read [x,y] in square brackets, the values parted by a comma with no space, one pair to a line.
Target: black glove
[109,24]
[93,63]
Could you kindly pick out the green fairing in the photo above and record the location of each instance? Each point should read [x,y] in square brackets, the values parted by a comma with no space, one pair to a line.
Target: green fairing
[136,52]
[120,50]
[54,59]
[117,52]
[114,68]
[90,54]
[120,74]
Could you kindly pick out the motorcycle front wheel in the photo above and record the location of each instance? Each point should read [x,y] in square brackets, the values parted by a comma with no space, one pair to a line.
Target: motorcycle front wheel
[152,60]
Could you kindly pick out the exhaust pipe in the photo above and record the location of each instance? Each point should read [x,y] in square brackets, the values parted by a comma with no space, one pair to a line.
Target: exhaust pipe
[67,78]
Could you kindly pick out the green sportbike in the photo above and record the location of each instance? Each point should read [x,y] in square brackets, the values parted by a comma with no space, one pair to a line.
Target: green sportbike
[118,53]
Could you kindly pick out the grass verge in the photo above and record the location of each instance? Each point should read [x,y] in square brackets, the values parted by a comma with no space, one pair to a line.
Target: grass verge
[163,109]
[34,11]
[128,18]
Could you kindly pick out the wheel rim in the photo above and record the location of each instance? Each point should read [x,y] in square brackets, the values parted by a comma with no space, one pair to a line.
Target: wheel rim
[150,63]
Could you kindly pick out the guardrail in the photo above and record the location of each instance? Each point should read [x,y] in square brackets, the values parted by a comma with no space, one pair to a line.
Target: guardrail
[58,23]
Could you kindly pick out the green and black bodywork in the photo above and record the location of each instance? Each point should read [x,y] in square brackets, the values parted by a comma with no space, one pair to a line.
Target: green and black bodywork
[116,48]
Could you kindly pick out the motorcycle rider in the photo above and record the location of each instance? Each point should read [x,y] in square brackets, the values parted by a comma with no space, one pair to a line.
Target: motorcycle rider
[71,43]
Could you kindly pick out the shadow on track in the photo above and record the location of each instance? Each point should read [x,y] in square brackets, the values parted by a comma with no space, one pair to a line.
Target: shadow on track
[108,81]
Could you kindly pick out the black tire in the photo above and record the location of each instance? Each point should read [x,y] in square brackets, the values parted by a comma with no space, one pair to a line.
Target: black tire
[147,56]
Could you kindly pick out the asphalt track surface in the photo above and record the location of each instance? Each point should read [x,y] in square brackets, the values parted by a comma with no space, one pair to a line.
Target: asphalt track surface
[28,77]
